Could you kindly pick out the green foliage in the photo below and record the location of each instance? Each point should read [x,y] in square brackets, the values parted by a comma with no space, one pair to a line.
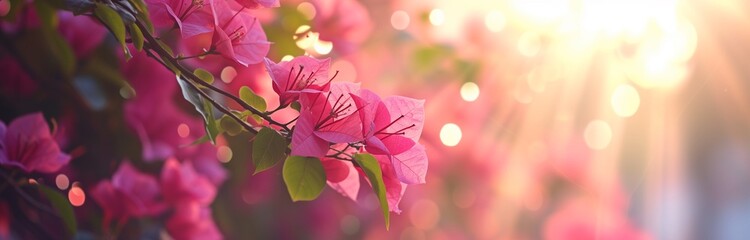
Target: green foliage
[204,75]
[114,22]
[268,149]
[62,206]
[136,36]
[59,50]
[304,177]
[371,167]
[201,105]
[248,96]
[230,126]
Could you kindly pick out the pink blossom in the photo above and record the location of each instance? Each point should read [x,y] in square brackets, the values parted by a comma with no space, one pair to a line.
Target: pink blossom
[394,188]
[392,127]
[27,144]
[153,113]
[83,33]
[130,193]
[181,183]
[259,3]
[192,17]
[192,220]
[238,35]
[346,23]
[326,118]
[301,74]
[341,176]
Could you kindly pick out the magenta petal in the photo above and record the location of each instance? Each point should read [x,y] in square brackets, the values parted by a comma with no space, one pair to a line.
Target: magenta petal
[397,144]
[345,130]
[180,183]
[411,165]
[413,112]
[374,145]
[349,186]
[304,142]
[259,3]
[29,145]
[192,221]
[394,189]
[336,170]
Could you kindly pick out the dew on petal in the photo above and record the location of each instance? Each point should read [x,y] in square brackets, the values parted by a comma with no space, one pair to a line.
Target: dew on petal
[597,134]
[400,20]
[307,9]
[183,130]
[437,17]
[469,91]
[450,134]
[625,100]
[76,196]
[62,182]
[228,74]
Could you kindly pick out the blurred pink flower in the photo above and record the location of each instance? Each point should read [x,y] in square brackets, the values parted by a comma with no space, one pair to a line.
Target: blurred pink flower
[580,219]
[153,114]
[181,183]
[259,3]
[238,35]
[192,17]
[204,160]
[346,23]
[301,74]
[392,127]
[130,193]
[27,144]
[83,33]
[192,221]
[16,81]
[326,118]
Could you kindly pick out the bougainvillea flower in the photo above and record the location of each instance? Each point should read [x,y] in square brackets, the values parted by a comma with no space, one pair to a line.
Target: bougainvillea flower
[83,33]
[394,188]
[341,175]
[238,35]
[181,183]
[259,3]
[346,33]
[27,144]
[301,74]
[130,193]
[204,160]
[326,118]
[392,127]
[192,220]
[160,124]
[192,17]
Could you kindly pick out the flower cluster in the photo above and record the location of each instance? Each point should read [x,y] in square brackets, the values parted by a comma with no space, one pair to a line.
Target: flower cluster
[237,34]
[338,120]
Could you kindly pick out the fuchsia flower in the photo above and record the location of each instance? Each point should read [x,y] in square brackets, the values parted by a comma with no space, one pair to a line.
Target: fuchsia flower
[238,35]
[192,221]
[27,144]
[301,74]
[259,3]
[326,118]
[346,23]
[181,183]
[130,193]
[192,17]
[392,127]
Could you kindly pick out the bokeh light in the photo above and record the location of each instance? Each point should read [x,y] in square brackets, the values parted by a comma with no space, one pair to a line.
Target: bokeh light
[450,134]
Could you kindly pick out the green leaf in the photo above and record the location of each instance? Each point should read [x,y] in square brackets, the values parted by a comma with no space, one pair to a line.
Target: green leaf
[371,167]
[268,149]
[115,24]
[204,75]
[63,207]
[203,107]
[229,125]
[137,36]
[248,96]
[62,54]
[304,177]
[296,106]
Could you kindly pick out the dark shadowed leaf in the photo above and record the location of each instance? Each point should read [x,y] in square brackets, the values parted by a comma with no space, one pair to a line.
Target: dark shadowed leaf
[268,149]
